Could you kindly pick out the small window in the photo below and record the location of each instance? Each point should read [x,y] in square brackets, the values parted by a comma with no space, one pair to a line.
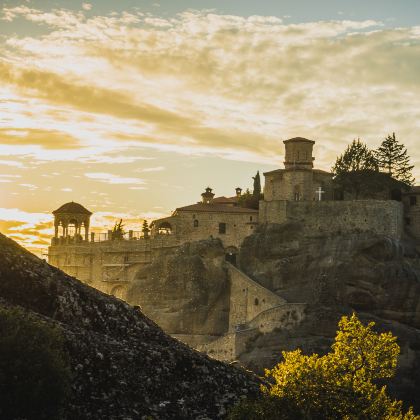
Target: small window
[250,218]
[222,228]
[413,200]
[195,223]
[256,302]
[407,221]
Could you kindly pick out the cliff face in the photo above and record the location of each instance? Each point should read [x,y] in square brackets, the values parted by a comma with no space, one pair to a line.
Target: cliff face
[123,365]
[186,292]
[375,276]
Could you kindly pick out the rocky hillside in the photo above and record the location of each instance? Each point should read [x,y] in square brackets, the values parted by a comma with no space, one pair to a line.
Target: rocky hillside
[124,366]
[375,276]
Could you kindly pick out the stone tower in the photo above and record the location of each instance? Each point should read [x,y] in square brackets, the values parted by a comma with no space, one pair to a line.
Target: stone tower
[72,215]
[299,153]
[298,181]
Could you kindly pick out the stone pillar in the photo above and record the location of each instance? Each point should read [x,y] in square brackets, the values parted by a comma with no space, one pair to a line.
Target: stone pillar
[130,234]
[86,224]
[92,237]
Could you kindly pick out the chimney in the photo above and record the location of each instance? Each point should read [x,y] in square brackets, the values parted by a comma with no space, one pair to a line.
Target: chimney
[238,191]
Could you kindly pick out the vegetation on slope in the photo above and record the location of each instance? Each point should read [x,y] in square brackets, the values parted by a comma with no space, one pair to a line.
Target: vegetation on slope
[343,384]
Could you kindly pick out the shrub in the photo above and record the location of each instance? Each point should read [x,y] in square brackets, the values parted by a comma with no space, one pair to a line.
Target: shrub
[34,369]
[343,384]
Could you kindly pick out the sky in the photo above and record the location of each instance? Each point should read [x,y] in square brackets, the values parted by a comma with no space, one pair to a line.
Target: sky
[132,108]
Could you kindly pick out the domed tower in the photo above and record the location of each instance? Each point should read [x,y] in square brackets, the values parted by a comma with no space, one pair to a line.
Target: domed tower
[299,153]
[72,215]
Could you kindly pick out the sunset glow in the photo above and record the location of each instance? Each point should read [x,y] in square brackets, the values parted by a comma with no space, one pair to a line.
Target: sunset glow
[133,110]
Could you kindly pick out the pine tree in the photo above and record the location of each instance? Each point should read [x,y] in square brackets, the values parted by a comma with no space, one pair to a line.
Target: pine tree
[118,231]
[393,158]
[355,170]
[145,229]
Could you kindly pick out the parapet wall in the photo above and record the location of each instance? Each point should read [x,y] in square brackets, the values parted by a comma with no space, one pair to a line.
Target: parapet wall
[248,298]
[327,217]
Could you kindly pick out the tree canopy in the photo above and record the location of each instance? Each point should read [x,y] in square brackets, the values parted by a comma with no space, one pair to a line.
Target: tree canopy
[252,200]
[354,171]
[392,157]
[342,384]
[383,173]
[35,374]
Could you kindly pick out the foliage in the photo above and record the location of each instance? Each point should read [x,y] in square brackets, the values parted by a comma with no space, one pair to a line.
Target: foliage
[342,384]
[118,230]
[392,157]
[256,192]
[354,171]
[252,200]
[34,371]
[145,229]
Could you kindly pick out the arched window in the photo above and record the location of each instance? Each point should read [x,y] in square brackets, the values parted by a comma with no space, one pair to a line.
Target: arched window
[195,223]
[256,301]
[165,228]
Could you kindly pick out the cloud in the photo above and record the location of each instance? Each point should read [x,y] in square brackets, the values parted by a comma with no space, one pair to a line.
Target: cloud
[153,169]
[48,139]
[86,6]
[112,178]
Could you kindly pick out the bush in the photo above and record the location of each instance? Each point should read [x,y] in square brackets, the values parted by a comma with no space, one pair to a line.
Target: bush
[343,384]
[34,369]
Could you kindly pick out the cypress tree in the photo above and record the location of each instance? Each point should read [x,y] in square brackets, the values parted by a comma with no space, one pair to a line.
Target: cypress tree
[392,157]
[257,186]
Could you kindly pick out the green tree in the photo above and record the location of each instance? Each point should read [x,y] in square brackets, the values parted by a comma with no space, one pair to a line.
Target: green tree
[34,368]
[343,384]
[256,192]
[145,229]
[252,200]
[355,171]
[118,231]
[392,157]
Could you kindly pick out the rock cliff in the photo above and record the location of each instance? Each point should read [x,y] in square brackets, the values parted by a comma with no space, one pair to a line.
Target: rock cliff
[124,366]
[375,276]
[186,292]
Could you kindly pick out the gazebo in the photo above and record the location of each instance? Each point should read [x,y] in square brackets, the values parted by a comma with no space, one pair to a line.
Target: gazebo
[72,215]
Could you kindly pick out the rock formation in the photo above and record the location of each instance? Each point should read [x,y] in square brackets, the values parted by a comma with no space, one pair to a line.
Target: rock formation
[187,291]
[124,366]
[375,276]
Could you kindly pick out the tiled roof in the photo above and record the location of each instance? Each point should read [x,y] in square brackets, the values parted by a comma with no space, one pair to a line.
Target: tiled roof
[279,171]
[216,208]
[223,199]
[72,208]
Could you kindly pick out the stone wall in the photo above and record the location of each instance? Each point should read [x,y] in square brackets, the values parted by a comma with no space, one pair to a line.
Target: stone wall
[286,316]
[412,220]
[238,226]
[109,266]
[248,298]
[327,217]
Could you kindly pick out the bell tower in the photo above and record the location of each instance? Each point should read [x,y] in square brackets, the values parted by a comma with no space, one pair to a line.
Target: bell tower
[299,153]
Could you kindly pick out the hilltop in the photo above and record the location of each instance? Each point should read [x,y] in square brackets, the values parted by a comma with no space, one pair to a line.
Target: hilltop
[123,364]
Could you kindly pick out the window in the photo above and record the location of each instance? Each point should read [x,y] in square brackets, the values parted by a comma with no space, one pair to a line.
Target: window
[407,221]
[413,200]
[195,223]
[250,218]
[222,228]
[256,302]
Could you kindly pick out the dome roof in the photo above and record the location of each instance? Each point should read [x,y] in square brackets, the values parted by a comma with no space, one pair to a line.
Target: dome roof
[73,208]
[298,139]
